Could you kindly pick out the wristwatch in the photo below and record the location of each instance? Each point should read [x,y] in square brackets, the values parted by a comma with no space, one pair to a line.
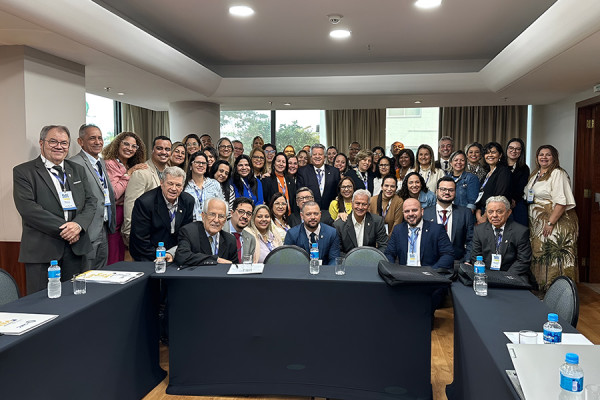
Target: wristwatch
[550,223]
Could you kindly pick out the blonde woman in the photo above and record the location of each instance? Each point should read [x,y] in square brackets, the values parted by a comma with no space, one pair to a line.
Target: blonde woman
[262,228]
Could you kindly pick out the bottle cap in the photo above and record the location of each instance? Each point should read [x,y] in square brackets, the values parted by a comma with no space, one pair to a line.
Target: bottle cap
[572,358]
[161,244]
[479,258]
[314,245]
[53,262]
[552,317]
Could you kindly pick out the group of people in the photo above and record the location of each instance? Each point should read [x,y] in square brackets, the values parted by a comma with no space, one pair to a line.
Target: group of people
[216,204]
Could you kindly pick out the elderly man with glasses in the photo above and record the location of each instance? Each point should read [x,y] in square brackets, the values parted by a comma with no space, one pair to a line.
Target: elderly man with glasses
[206,243]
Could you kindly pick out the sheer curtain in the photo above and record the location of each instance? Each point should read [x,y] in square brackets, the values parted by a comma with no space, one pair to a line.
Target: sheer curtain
[147,124]
[367,127]
[483,124]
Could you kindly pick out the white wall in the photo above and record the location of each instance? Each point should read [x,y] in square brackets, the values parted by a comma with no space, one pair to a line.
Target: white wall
[197,117]
[37,89]
[555,124]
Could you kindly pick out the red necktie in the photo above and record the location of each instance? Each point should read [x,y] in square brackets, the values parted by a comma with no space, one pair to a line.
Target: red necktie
[444,219]
[239,245]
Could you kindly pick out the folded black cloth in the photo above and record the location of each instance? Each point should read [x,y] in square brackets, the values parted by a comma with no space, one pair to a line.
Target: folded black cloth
[403,275]
[499,279]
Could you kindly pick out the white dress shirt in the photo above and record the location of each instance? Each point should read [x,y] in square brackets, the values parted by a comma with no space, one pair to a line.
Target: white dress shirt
[438,210]
[359,229]
[418,244]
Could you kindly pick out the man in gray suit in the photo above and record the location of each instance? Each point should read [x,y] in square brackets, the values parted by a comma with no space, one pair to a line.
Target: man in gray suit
[91,142]
[56,203]
[241,212]
[361,228]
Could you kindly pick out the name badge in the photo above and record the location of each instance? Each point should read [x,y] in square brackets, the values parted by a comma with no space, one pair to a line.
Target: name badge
[496,261]
[387,229]
[106,197]
[479,197]
[530,196]
[66,200]
[412,260]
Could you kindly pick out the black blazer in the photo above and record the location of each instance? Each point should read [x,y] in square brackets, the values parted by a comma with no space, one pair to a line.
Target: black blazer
[374,234]
[41,212]
[306,176]
[515,248]
[295,218]
[463,222]
[194,248]
[150,223]
[270,187]
[359,183]
[497,185]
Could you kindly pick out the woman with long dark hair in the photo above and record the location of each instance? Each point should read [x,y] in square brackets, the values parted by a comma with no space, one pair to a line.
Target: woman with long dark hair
[341,163]
[279,207]
[279,181]
[221,172]
[414,187]
[244,182]
[383,168]
[515,158]
[405,163]
[497,180]
[426,167]
[341,206]
[388,204]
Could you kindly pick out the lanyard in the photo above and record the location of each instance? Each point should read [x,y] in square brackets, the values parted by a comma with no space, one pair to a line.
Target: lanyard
[61,181]
[101,177]
[282,188]
[428,176]
[199,194]
[412,239]
[172,215]
[441,214]
[364,178]
[457,178]
[384,213]
[250,194]
[488,177]
[538,176]
[498,241]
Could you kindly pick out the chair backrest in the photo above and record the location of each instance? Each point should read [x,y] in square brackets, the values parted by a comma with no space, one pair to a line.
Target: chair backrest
[287,255]
[365,256]
[562,298]
[9,291]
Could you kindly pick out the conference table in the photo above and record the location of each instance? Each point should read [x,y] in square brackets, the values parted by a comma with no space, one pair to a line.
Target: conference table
[103,345]
[288,332]
[480,353]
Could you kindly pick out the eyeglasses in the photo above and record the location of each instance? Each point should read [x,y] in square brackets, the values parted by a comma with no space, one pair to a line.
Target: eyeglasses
[448,190]
[199,163]
[56,143]
[225,147]
[257,158]
[270,151]
[511,148]
[305,198]
[130,146]
[349,187]
[191,144]
[212,215]
[242,213]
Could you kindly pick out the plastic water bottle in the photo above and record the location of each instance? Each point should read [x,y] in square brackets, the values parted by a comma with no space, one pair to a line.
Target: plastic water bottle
[552,330]
[571,378]
[480,278]
[160,264]
[314,259]
[54,287]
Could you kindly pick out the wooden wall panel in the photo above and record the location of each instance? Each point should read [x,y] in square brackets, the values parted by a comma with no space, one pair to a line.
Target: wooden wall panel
[9,256]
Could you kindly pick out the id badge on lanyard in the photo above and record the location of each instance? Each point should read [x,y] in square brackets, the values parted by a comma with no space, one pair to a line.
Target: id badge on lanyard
[496,262]
[66,200]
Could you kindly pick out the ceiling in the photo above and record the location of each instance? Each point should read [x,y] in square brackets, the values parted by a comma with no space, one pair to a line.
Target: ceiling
[467,52]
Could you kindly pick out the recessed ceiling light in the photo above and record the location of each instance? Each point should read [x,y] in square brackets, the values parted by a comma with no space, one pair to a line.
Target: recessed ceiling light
[241,11]
[340,34]
[121,94]
[428,3]
[418,102]
[287,104]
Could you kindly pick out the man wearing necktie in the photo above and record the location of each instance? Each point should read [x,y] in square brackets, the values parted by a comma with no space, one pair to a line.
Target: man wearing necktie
[158,215]
[104,222]
[320,178]
[241,213]
[56,204]
[445,149]
[503,243]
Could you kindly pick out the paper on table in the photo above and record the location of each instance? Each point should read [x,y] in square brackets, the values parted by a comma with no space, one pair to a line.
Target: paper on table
[567,338]
[17,323]
[236,269]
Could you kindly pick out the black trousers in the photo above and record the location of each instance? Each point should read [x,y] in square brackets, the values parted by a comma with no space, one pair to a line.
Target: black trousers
[37,274]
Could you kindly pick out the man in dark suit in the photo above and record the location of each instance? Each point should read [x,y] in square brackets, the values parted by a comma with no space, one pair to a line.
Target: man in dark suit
[361,228]
[426,244]
[91,142]
[56,204]
[206,243]
[321,179]
[312,231]
[504,244]
[241,213]
[158,215]
[458,221]
[445,149]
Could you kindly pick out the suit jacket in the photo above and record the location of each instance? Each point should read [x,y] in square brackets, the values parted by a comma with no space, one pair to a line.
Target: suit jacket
[270,187]
[150,223]
[307,177]
[295,218]
[41,212]
[140,182]
[497,185]
[358,182]
[462,229]
[249,242]
[515,248]
[374,233]
[435,251]
[98,190]
[394,214]
[194,247]
[329,242]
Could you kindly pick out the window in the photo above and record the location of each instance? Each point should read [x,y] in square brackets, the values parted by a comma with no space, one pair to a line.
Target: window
[100,111]
[245,125]
[422,128]
[299,128]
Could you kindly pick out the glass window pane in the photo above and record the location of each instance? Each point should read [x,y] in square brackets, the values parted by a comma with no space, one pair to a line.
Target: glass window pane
[100,111]
[299,128]
[412,127]
[245,125]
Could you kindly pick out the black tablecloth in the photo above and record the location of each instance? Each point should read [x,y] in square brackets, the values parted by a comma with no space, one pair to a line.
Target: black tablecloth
[103,345]
[480,353]
[288,332]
